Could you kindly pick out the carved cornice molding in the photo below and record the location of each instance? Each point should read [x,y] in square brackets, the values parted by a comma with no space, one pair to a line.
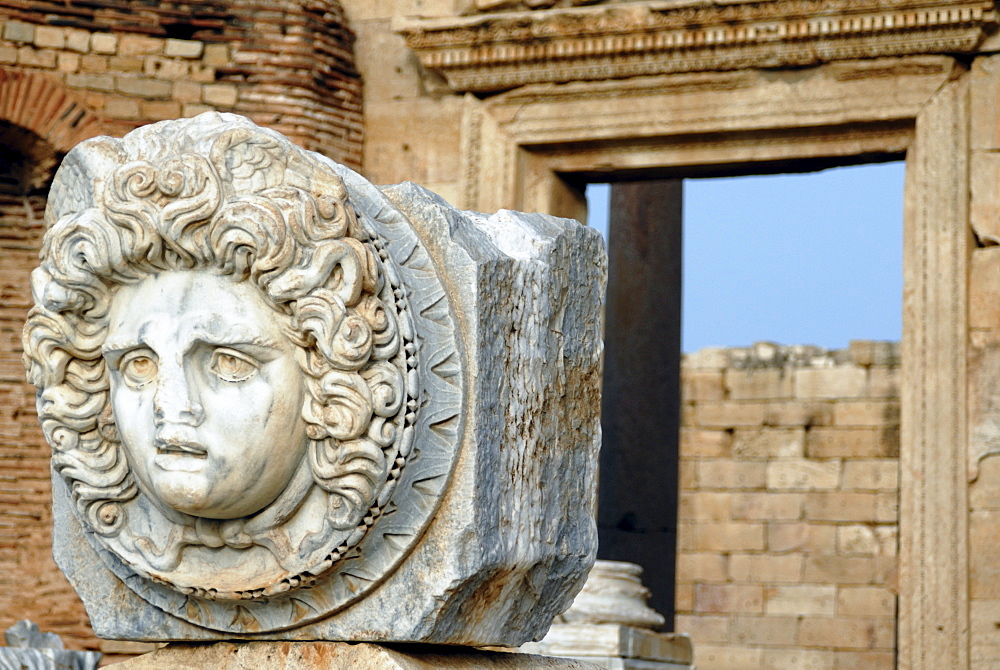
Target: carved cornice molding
[494,52]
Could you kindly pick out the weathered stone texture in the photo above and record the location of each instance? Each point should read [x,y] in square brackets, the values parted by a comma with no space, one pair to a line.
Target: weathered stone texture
[339,656]
[290,67]
[488,358]
[787,550]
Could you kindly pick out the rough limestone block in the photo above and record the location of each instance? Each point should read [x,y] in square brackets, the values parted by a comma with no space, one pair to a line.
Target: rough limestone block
[339,656]
[285,404]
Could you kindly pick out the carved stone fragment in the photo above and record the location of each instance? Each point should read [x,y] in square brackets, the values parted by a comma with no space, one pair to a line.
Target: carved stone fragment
[286,404]
[30,649]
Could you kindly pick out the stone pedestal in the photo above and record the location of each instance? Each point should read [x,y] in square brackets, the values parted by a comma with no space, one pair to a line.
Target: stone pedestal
[616,646]
[340,656]
[609,625]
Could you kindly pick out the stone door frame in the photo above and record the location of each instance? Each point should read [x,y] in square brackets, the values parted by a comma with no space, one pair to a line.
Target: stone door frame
[533,149]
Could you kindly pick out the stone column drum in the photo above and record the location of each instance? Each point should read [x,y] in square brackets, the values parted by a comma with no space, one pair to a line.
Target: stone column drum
[285,404]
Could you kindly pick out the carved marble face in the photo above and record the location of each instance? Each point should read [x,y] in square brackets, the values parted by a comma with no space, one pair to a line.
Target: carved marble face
[206,392]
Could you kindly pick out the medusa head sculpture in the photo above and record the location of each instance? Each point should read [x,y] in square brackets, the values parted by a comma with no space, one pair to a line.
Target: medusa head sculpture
[225,358]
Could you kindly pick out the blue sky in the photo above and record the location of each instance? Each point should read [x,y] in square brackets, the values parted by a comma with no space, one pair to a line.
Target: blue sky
[795,259]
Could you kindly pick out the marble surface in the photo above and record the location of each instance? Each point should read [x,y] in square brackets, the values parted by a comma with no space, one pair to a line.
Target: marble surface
[280,399]
[30,649]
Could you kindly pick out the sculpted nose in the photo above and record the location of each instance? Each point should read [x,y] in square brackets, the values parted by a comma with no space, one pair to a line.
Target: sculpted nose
[176,400]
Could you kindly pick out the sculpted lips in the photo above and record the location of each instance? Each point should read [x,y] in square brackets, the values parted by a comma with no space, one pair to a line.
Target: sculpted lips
[179,454]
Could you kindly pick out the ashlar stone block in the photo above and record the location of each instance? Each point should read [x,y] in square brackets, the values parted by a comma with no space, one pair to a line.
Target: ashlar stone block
[285,404]
[339,656]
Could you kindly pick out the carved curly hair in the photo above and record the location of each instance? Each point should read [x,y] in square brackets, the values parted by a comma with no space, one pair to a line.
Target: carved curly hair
[213,192]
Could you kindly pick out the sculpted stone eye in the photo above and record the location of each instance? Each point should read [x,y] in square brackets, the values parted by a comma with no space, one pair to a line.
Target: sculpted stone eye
[138,371]
[231,367]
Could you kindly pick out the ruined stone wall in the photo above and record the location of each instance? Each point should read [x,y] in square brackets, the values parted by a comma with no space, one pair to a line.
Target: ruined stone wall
[787,541]
[413,122]
[287,65]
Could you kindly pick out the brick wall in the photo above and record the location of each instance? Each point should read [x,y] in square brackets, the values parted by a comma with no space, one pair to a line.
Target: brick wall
[30,584]
[788,522]
[287,65]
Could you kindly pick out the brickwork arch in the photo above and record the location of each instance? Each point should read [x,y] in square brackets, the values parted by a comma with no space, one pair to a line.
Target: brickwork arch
[45,107]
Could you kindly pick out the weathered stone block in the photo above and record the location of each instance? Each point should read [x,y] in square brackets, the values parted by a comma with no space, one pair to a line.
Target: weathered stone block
[128,64]
[727,474]
[765,630]
[78,40]
[701,568]
[165,68]
[130,44]
[735,657]
[602,641]
[800,475]
[807,537]
[144,87]
[183,48]
[16,31]
[833,569]
[49,37]
[709,358]
[767,443]
[696,442]
[763,568]
[984,204]
[215,55]
[984,493]
[984,131]
[869,660]
[799,414]
[876,475]
[186,91]
[95,82]
[104,43]
[223,95]
[758,384]
[850,442]
[729,598]
[865,601]
[840,506]
[122,108]
[801,659]
[92,63]
[857,539]
[706,506]
[767,506]
[67,62]
[803,600]
[704,628]
[841,632]
[702,385]
[729,414]
[984,563]
[32,57]
[414,393]
[866,413]
[737,536]
[846,381]
[339,656]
